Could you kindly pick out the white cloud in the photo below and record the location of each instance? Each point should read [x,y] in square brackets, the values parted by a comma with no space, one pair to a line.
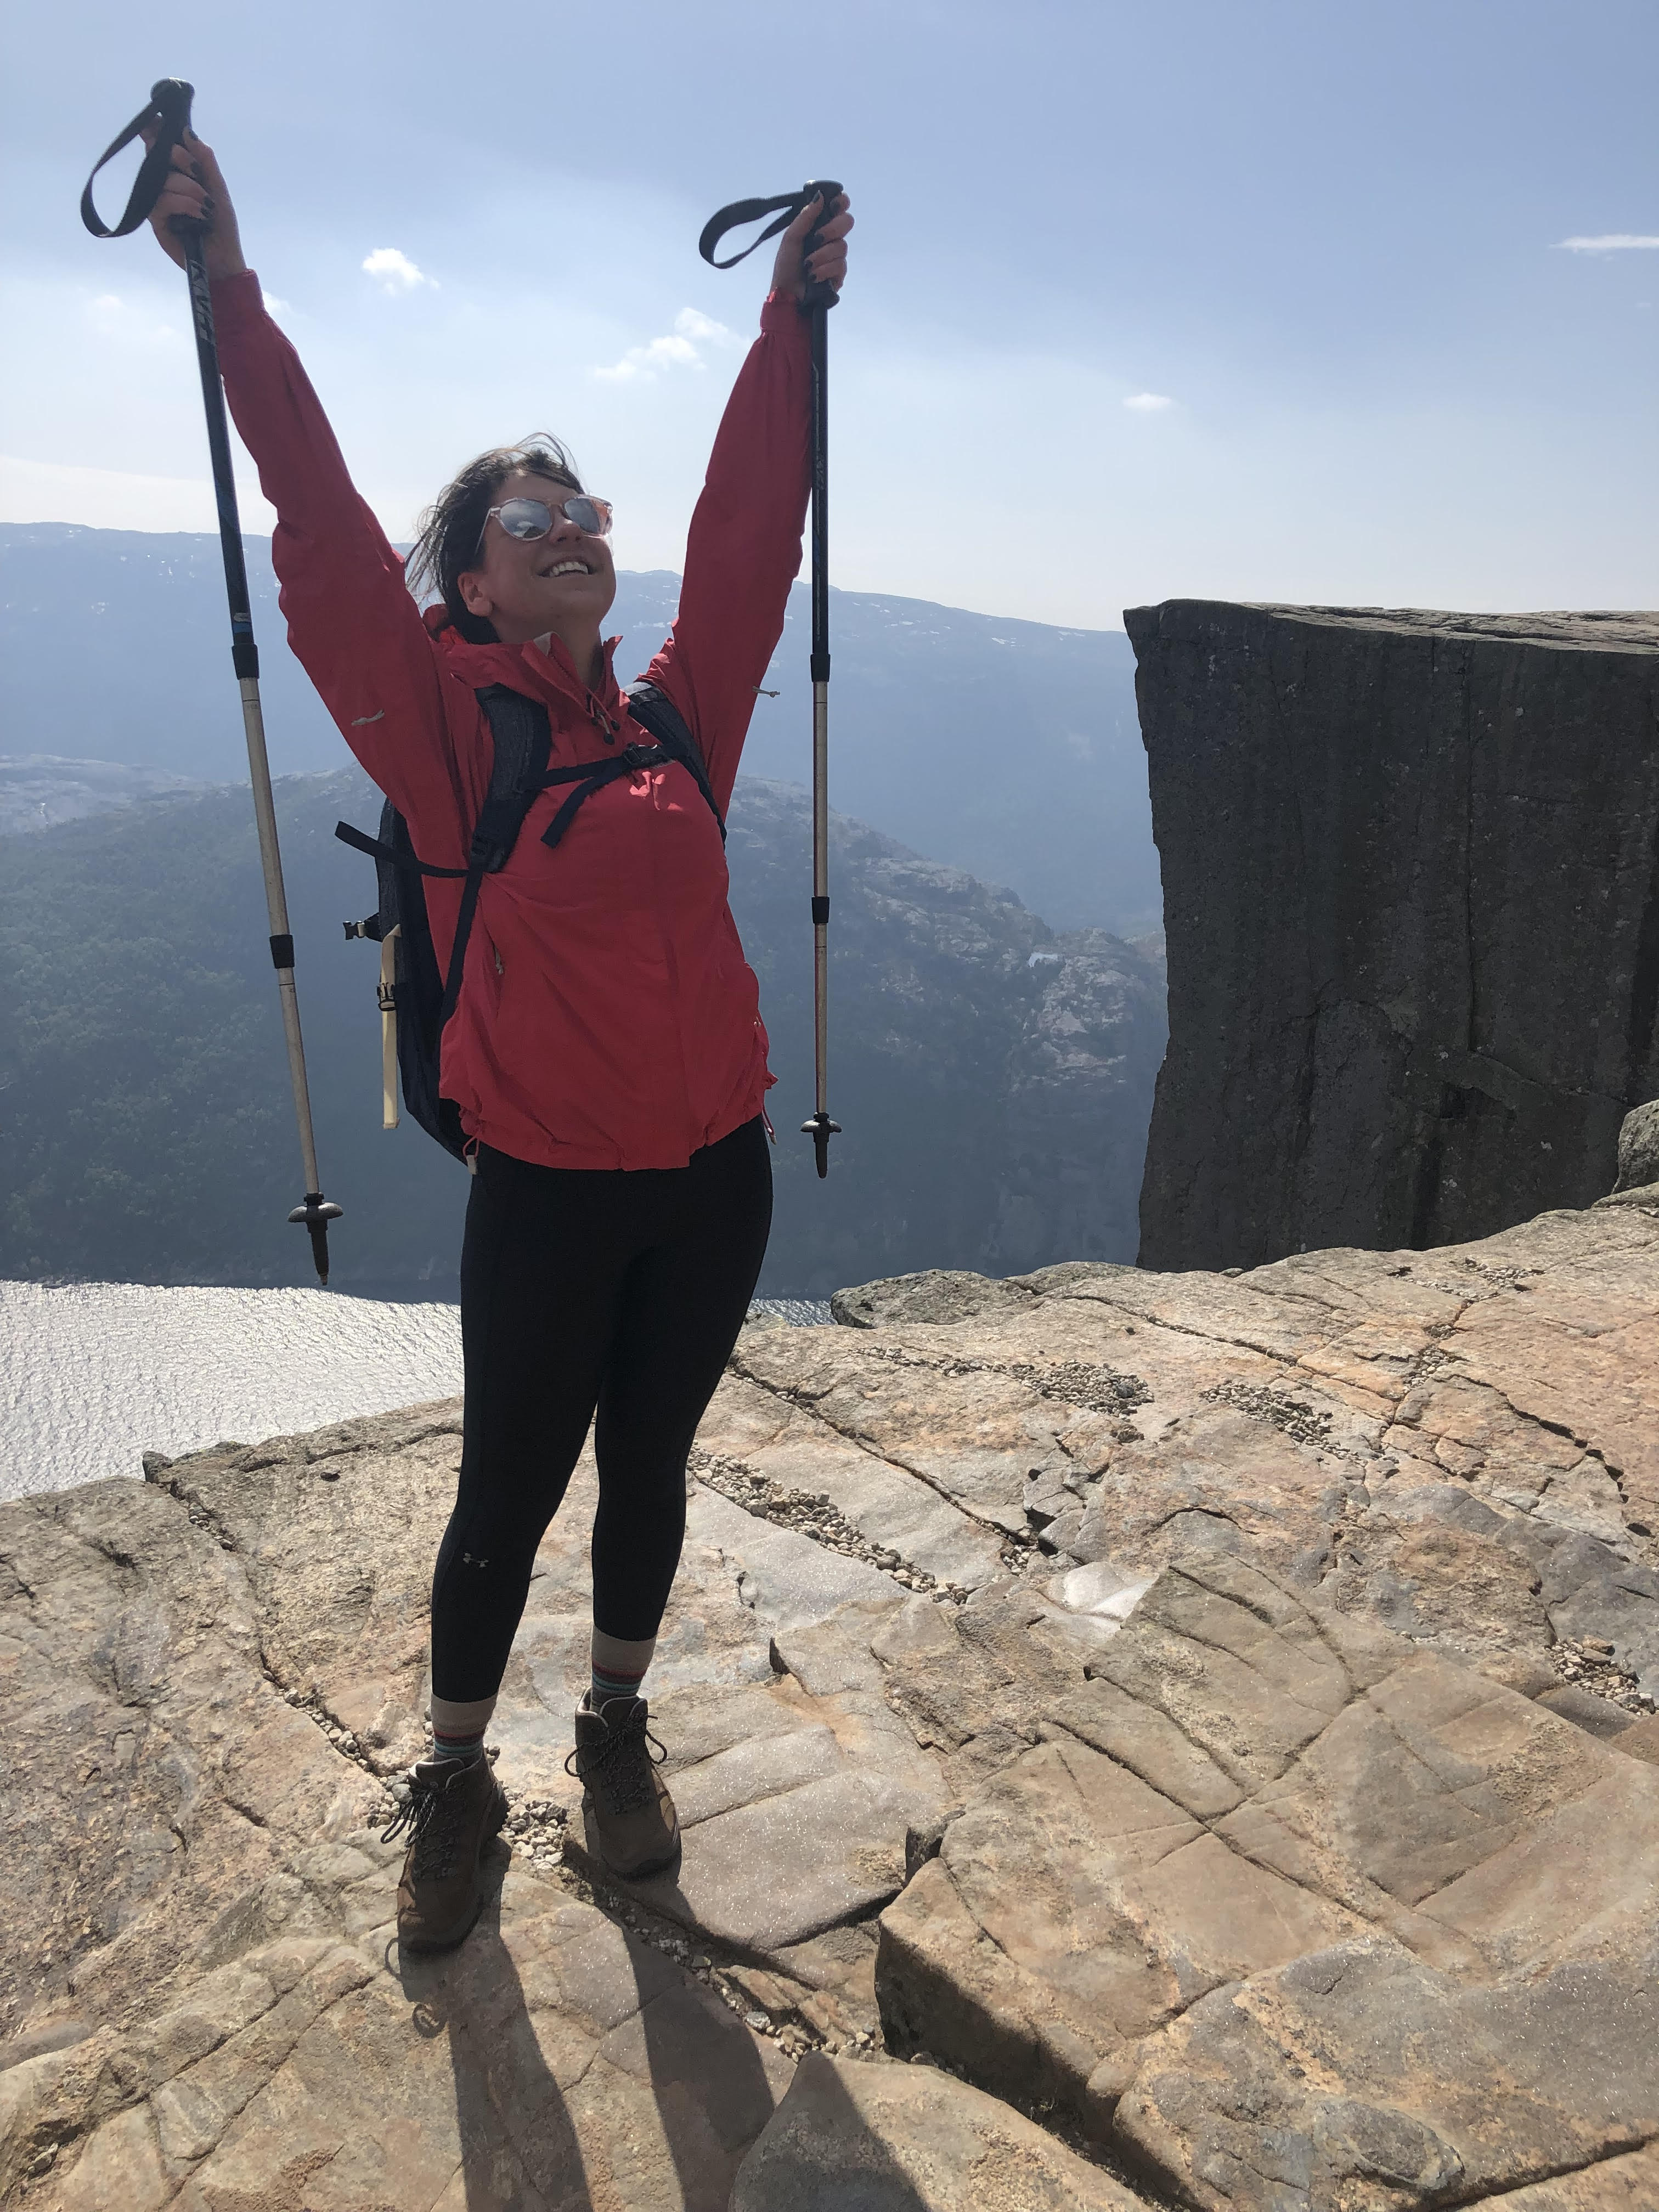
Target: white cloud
[1613,241]
[396,272]
[136,327]
[1149,403]
[678,349]
[275,308]
[691,324]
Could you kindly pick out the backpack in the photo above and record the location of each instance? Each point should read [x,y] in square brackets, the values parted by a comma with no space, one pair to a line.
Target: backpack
[417,998]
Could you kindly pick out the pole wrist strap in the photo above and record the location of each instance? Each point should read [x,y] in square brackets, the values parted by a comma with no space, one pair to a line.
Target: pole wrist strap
[786,206]
[168,115]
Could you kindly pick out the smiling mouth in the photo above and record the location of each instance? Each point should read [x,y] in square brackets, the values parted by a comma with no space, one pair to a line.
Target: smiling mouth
[569,569]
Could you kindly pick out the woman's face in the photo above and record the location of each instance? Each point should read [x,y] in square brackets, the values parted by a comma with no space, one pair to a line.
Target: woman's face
[566,579]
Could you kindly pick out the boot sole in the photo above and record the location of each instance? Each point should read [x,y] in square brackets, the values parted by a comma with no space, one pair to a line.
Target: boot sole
[423,1946]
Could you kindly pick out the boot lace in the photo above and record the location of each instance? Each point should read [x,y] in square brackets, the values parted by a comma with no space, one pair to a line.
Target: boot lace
[619,1768]
[432,1816]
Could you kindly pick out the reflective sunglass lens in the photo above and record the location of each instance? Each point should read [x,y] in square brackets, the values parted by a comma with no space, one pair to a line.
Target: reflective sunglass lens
[526,517]
[530,518]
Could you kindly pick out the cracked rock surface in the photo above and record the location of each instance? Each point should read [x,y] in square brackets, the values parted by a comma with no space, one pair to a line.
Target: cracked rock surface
[1211,1718]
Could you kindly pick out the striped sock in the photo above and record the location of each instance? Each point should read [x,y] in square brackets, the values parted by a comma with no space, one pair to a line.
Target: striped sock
[458,1730]
[619,1668]
[457,1747]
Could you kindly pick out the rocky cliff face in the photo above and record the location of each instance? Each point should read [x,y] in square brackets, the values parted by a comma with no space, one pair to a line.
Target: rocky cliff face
[1411,875]
[1211,1714]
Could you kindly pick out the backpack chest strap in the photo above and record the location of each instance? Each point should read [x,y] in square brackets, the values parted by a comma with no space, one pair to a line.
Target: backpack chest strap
[590,776]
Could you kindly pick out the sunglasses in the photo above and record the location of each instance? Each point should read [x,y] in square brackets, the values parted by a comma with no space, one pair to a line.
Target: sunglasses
[528,520]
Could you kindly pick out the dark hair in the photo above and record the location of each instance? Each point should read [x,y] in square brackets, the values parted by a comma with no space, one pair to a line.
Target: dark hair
[447,534]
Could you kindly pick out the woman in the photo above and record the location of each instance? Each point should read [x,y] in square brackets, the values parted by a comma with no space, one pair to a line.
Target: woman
[606,1054]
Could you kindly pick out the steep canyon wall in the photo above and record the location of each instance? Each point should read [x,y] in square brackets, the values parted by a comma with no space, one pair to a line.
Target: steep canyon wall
[1411,885]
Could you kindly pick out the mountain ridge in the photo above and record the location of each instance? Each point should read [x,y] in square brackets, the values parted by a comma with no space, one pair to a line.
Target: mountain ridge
[1006,747]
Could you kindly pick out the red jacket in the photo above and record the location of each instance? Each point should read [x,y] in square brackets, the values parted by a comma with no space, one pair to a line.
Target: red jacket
[607,1019]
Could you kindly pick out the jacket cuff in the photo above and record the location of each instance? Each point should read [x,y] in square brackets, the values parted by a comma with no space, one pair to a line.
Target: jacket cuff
[778,315]
[237,299]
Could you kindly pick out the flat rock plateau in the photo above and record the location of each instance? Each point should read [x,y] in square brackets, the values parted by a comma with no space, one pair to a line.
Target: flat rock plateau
[1204,1724]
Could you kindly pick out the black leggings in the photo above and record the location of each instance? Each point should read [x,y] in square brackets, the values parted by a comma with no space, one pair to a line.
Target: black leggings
[584,1287]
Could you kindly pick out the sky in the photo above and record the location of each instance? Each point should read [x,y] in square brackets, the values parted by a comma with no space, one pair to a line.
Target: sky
[1348,303]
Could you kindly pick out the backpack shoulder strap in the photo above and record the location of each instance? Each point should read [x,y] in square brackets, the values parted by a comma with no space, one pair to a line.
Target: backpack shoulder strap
[659,714]
[523,743]
[523,740]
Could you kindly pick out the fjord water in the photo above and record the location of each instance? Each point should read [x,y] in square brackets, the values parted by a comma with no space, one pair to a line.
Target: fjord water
[94,1375]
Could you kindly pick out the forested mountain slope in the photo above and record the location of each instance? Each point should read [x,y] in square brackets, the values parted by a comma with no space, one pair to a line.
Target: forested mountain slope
[994,1079]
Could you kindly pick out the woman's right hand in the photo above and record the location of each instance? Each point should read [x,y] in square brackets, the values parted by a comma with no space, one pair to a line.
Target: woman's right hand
[196,188]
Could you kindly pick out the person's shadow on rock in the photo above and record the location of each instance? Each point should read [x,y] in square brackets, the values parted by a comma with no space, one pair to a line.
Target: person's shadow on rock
[518,2142]
[713,2089]
[714,2092]
[824,2156]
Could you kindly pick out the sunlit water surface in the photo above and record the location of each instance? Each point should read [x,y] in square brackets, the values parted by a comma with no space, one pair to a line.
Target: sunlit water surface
[94,1375]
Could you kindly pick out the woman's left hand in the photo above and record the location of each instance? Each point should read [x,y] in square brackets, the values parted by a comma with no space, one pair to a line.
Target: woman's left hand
[827,264]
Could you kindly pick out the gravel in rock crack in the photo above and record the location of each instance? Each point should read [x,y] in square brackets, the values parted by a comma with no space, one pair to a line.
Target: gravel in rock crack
[1504,1277]
[1295,1417]
[810,1513]
[1586,1663]
[1431,1360]
[536,1826]
[1077,1382]
[785,2019]
[342,1740]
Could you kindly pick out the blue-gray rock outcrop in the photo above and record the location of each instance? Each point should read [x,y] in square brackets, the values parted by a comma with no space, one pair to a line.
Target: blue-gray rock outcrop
[1410,877]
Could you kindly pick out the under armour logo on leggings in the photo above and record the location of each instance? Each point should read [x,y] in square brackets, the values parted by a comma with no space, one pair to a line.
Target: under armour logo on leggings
[468,1561]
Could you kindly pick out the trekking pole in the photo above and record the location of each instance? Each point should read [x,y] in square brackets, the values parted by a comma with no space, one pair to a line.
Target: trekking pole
[816,303]
[168,116]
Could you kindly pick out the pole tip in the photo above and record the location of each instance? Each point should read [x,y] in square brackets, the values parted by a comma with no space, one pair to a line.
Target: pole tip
[820,1128]
[314,1216]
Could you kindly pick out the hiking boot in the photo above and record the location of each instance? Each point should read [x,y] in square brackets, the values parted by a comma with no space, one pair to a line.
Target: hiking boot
[632,1824]
[453,1809]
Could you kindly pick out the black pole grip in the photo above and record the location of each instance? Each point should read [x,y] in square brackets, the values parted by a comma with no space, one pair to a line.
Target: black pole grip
[816,295]
[168,115]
